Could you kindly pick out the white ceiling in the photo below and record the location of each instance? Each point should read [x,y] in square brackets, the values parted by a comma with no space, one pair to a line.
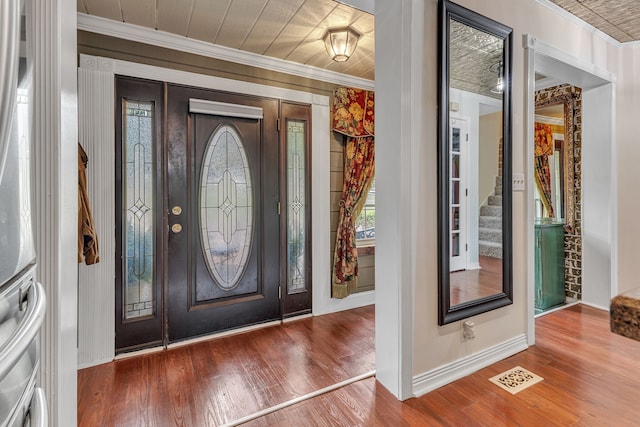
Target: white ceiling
[291,30]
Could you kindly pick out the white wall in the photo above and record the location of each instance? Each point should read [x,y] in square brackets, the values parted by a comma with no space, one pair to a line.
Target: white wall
[55,156]
[597,195]
[401,122]
[627,168]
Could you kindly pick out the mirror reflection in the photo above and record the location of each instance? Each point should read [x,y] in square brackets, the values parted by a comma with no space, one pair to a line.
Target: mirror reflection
[476,85]
[553,156]
[549,162]
[474,164]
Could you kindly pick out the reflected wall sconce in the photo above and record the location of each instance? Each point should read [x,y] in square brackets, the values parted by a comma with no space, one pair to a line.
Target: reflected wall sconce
[499,68]
[341,43]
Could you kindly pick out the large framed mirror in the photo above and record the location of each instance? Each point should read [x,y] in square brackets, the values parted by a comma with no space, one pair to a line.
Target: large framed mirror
[554,148]
[474,164]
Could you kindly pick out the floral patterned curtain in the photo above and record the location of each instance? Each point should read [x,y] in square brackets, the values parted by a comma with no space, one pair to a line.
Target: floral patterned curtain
[543,149]
[353,116]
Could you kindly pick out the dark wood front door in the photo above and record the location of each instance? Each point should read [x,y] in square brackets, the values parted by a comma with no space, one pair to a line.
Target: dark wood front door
[212,211]
[223,253]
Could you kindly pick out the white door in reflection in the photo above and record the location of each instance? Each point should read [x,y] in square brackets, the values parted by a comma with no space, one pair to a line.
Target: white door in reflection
[459,139]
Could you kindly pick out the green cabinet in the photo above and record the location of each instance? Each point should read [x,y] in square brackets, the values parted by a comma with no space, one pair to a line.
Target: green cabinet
[549,264]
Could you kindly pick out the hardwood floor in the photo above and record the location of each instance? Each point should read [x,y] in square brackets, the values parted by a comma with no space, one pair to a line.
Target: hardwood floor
[468,285]
[217,381]
[591,378]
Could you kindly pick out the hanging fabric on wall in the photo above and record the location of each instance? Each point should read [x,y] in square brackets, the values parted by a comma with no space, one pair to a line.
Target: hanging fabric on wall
[353,116]
[87,238]
[543,149]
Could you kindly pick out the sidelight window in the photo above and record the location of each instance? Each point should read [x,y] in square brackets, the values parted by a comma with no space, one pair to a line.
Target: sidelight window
[296,206]
[138,188]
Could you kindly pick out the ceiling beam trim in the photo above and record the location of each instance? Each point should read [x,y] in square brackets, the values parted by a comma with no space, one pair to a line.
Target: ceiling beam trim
[149,36]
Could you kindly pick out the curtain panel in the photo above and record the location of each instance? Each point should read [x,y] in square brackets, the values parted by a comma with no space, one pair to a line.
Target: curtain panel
[543,149]
[353,116]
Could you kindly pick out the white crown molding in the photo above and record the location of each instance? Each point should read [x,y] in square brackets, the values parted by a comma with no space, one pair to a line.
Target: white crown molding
[108,27]
[579,22]
[443,375]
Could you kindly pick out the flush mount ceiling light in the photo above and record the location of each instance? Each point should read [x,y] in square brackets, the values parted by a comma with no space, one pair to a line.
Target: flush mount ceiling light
[341,43]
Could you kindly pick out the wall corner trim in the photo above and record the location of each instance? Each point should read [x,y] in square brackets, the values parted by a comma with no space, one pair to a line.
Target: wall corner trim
[445,374]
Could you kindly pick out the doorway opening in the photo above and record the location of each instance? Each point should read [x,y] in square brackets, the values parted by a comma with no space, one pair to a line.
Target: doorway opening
[584,238]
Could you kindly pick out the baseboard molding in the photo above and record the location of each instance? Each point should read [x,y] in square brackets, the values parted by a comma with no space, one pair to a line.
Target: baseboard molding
[94,363]
[333,305]
[429,381]
[562,307]
[599,307]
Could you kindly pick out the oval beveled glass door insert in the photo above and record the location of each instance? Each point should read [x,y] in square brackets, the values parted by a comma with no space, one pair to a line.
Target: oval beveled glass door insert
[226,207]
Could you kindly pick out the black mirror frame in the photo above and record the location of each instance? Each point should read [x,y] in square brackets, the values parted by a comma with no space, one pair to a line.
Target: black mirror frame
[446,312]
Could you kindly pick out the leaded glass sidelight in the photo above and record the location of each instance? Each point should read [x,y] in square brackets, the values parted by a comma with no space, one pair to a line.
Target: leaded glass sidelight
[296,207]
[138,212]
[226,207]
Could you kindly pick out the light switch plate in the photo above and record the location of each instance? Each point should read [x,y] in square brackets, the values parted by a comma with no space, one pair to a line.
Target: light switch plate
[518,182]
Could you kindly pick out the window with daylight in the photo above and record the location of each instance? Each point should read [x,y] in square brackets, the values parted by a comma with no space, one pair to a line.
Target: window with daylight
[138,187]
[366,222]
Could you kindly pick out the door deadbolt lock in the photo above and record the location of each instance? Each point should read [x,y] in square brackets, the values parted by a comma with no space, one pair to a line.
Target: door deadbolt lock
[176,210]
[176,228]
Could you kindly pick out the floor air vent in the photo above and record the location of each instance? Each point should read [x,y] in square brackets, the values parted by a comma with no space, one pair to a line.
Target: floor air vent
[515,380]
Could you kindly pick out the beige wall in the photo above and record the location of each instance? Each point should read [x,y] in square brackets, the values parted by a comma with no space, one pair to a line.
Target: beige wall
[490,133]
[436,346]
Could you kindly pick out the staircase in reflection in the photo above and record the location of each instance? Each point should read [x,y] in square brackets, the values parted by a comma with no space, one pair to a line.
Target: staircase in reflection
[490,230]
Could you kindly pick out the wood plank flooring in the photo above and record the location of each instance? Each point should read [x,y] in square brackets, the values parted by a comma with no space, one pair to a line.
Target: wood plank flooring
[591,378]
[468,285]
[217,381]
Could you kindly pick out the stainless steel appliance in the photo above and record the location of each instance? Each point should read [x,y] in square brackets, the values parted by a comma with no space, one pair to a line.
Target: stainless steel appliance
[22,299]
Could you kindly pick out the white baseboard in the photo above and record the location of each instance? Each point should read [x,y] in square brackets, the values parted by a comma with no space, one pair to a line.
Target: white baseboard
[333,305]
[443,375]
[94,363]
[599,307]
